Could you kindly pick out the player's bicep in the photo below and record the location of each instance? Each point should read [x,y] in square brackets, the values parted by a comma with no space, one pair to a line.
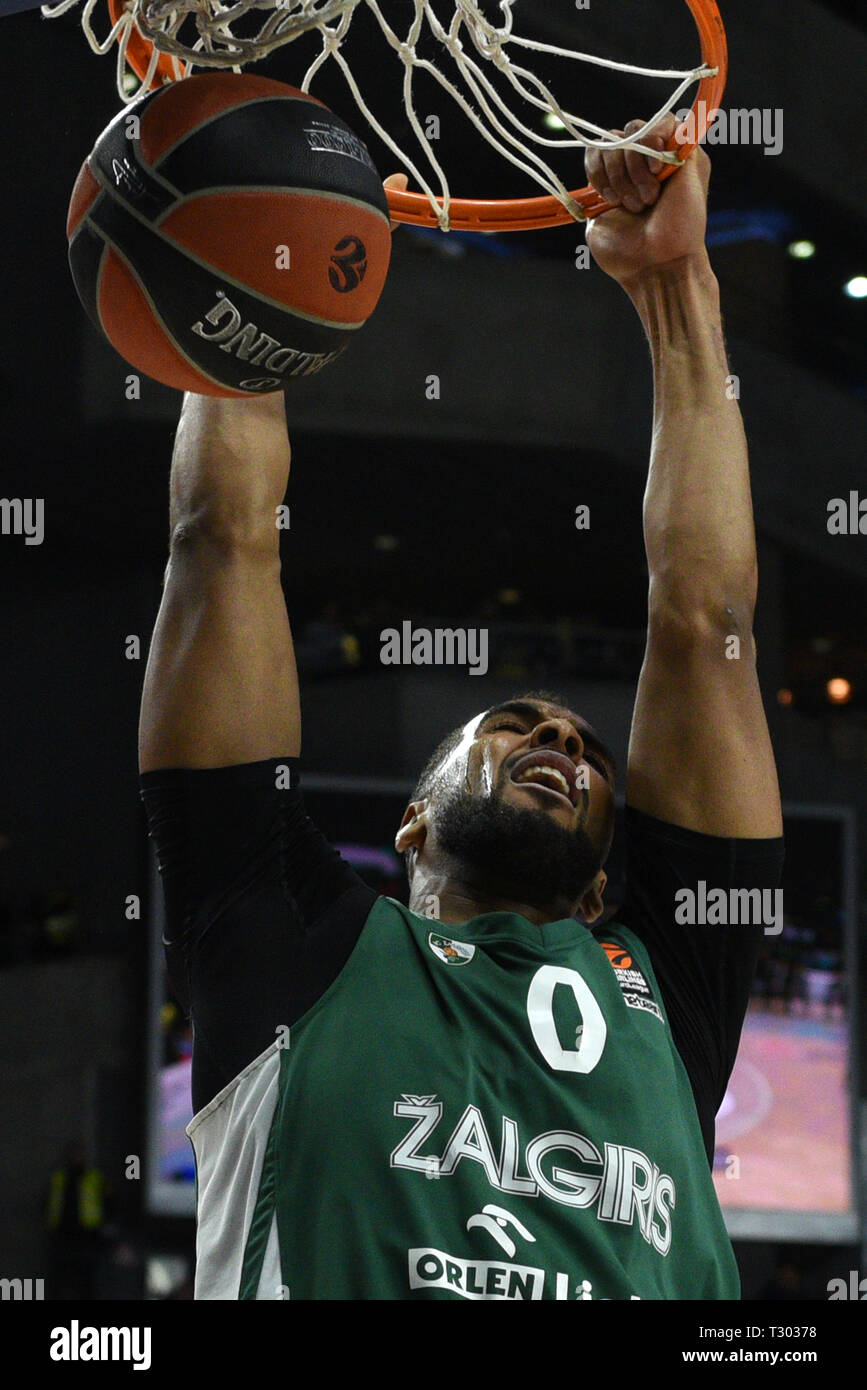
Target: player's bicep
[221,685]
[700,754]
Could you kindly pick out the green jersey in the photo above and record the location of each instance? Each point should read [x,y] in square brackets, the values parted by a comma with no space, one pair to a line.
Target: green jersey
[393,1107]
[488,1111]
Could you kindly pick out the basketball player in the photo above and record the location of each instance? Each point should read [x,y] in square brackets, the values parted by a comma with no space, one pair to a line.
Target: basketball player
[485,1096]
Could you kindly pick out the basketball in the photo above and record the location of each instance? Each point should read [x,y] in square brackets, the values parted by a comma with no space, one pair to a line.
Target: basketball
[228,233]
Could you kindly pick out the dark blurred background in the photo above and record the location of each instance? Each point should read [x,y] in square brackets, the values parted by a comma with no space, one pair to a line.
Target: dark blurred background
[455,512]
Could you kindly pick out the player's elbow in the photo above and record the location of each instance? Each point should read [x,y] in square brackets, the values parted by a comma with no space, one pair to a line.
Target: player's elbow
[216,530]
[685,613]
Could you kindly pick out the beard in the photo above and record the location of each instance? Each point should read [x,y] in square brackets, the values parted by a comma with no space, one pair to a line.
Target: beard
[522,851]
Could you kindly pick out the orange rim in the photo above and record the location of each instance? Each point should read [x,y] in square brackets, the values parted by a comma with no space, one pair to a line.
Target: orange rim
[515,214]
[526,214]
[139,50]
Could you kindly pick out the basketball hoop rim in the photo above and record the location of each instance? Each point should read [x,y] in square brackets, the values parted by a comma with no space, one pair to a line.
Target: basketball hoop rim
[139,50]
[519,214]
[530,214]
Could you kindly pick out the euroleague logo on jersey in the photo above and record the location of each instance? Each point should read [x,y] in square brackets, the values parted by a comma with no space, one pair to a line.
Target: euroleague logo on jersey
[347,271]
[634,987]
[618,955]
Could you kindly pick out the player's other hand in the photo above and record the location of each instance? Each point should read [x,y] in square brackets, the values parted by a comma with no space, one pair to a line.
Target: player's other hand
[400,182]
[653,224]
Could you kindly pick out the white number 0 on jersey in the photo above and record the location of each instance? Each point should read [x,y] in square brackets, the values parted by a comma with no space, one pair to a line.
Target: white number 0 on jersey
[540,998]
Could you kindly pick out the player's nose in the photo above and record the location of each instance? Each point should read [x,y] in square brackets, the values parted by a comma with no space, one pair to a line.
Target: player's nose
[559,735]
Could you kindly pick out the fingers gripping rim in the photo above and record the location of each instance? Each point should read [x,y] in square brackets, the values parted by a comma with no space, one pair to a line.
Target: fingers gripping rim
[528,214]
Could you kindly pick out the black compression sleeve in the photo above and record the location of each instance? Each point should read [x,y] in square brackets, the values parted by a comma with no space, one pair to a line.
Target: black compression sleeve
[705,972]
[261,911]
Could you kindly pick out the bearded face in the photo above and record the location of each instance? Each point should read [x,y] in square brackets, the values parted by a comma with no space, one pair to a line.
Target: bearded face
[525,802]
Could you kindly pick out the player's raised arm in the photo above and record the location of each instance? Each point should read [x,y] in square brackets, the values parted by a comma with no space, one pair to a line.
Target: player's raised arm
[700,754]
[221,685]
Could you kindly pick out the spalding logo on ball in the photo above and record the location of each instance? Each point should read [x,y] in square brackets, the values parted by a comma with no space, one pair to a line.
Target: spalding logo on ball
[228,233]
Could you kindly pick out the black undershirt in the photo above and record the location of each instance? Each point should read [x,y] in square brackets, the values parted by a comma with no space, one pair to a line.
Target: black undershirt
[262,914]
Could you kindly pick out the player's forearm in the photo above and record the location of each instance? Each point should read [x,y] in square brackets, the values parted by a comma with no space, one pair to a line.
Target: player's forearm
[230,465]
[698,519]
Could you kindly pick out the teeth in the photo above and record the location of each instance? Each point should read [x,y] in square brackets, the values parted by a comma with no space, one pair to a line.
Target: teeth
[535,774]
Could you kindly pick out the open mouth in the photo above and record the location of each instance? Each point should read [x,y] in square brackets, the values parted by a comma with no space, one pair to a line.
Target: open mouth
[551,772]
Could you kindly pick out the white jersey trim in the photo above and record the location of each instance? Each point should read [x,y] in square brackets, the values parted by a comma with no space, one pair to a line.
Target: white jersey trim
[230,1138]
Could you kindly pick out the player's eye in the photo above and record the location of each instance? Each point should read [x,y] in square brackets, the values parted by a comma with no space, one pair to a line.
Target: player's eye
[510,726]
[597,763]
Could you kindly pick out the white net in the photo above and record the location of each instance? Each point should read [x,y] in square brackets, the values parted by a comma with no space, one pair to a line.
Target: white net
[470,48]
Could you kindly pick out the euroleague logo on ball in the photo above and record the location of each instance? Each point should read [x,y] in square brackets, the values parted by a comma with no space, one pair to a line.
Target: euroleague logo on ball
[347,271]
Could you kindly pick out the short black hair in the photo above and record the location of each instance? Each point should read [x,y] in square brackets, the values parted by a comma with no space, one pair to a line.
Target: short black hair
[441,753]
[447,746]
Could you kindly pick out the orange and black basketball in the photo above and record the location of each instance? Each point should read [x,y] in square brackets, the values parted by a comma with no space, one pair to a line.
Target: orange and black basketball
[227,233]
